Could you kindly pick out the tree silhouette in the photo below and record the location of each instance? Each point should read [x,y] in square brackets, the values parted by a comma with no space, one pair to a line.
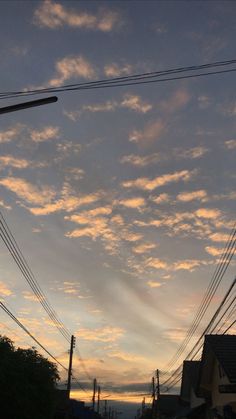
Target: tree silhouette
[27,383]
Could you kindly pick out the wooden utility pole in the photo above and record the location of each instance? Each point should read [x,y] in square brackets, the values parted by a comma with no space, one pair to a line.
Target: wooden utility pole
[94,392]
[72,345]
[143,406]
[99,395]
[105,409]
[158,384]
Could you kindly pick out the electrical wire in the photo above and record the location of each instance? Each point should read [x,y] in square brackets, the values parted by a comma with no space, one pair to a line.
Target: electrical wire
[209,294]
[16,253]
[135,79]
[20,324]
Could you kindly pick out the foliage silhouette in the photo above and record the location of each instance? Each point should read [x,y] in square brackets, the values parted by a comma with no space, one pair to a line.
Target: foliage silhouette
[27,383]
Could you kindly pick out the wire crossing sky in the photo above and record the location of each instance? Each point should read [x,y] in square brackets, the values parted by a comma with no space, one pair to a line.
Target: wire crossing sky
[118,200]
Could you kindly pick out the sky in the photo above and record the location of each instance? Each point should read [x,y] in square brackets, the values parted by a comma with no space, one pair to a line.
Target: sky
[120,199]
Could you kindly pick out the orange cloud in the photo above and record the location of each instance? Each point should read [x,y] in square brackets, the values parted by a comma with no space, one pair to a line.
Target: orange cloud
[151,184]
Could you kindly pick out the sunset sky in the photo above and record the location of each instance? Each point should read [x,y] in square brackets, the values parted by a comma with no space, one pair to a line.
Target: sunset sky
[120,199]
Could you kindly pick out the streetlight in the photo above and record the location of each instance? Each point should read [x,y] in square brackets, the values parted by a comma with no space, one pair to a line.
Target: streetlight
[30,104]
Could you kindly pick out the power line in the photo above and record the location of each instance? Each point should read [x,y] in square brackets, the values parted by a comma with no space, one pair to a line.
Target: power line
[210,292]
[16,253]
[20,324]
[176,375]
[135,79]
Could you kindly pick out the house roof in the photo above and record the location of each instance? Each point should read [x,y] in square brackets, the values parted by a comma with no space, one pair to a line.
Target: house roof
[224,348]
[189,378]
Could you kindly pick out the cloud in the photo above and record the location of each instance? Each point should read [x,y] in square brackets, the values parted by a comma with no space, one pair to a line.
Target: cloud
[208,213]
[105,334]
[154,284]
[152,132]
[11,161]
[219,237]
[72,67]
[230,144]
[68,202]
[124,356]
[175,335]
[4,205]
[136,202]
[192,153]
[135,103]
[200,195]
[151,184]
[187,265]
[30,296]
[131,102]
[214,251]
[156,263]
[116,70]
[4,290]
[108,106]
[10,134]
[161,199]
[54,15]
[203,101]
[143,248]
[177,101]
[141,161]
[47,133]
[28,192]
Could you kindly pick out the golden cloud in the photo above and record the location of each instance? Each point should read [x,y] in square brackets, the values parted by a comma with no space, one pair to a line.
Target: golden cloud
[72,67]
[208,213]
[151,184]
[48,133]
[135,202]
[4,290]
[154,284]
[190,196]
[28,192]
[54,15]
[143,248]
[105,334]
[141,161]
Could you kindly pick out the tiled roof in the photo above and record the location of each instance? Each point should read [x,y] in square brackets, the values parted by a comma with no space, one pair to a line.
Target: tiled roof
[224,348]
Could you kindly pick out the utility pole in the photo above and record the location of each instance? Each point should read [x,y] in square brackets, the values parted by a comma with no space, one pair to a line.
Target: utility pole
[26,105]
[105,409]
[143,406]
[158,384]
[153,391]
[99,395]
[94,392]
[72,345]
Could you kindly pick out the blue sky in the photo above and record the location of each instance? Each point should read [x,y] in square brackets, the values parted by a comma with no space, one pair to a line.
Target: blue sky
[121,199]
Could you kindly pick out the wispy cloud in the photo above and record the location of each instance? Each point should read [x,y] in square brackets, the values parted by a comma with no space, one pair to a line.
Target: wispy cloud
[117,70]
[10,134]
[151,184]
[200,195]
[230,144]
[209,213]
[105,334]
[28,192]
[125,356]
[161,199]
[135,103]
[143,248]
[4,290]
[72,67]
[54,15]
[154,284]
[152,132]
[135,202]
[176,101]
[214,251]
[192,153]
[10,161]
[47,133]
[132,102]
[141,161]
